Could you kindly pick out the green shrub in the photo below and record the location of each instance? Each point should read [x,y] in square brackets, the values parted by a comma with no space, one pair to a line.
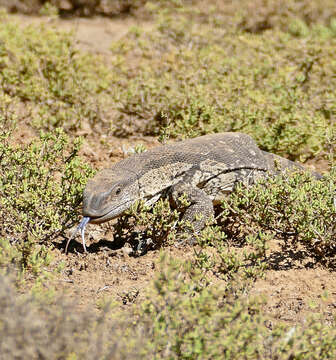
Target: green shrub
[40,190]
[152,227]
[56,85]
[188,79]
[191,79]
[295,210]
[145,227]
[190,317]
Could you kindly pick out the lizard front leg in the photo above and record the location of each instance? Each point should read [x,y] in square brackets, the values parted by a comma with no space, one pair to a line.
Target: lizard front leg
[199,210]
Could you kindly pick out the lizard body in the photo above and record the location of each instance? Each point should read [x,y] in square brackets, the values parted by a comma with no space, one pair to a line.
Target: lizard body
[204,169]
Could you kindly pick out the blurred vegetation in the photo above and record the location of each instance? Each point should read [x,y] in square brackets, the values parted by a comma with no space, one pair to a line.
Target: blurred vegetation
[183,316]
[74,7]
[254,16]
[266,68]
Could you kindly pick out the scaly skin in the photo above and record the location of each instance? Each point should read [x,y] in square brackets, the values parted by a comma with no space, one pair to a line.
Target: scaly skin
[204,169]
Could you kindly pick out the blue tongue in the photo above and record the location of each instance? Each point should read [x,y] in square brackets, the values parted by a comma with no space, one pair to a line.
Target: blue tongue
[81,227]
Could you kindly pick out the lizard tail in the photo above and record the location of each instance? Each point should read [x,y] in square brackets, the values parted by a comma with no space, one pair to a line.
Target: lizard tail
[278,164]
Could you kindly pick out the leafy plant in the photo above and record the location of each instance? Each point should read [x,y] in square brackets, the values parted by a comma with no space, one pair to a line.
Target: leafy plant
[294,209]
[40,189]
[41,68]
[206,82]
[146,227]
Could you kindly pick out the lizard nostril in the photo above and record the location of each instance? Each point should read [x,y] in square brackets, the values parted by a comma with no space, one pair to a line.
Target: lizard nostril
[97,201]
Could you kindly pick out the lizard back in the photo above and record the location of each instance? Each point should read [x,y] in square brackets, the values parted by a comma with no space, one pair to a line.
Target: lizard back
[195,161]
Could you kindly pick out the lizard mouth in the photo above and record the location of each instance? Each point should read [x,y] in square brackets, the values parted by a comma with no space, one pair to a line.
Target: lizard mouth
[115,212]
[109,215]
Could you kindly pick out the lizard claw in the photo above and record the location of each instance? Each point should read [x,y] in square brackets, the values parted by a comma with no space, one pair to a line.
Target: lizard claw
[81,227]
[186,238]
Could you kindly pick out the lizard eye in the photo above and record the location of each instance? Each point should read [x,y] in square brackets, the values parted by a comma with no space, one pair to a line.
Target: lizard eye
[118,191]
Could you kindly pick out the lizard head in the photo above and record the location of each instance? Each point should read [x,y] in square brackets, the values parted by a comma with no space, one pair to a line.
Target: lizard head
[108,195]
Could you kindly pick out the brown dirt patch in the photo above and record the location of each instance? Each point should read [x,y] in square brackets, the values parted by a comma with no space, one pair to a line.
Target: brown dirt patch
[109,275]
[93,35]
[294,294]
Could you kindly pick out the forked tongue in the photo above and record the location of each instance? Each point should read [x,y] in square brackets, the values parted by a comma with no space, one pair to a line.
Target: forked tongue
[81,227]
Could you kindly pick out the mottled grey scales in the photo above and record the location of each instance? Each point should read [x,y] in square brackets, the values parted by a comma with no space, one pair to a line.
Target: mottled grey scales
[204,169]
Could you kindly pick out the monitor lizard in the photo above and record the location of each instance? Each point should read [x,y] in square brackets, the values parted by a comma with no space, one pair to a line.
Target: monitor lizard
[203,168]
